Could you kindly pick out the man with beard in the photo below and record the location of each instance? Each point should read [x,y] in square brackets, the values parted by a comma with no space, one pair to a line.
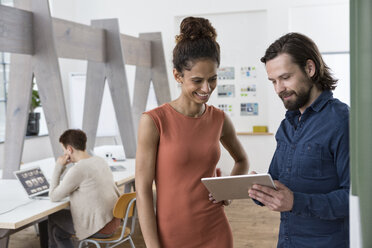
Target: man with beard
[311,162]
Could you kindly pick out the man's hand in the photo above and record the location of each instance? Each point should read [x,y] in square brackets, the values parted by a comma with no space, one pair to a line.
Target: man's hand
[280,200]
[63,160]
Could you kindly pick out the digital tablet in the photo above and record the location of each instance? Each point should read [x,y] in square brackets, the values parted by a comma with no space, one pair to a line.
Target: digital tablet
[235,187]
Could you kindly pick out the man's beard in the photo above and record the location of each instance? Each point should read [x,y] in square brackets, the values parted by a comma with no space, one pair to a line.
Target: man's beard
[303,97]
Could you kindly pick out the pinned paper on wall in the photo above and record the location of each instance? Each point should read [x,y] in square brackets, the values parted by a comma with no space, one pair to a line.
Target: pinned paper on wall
[227,108]
[248,72]
[247,109]
[226,73]
[226,90]
[248,90]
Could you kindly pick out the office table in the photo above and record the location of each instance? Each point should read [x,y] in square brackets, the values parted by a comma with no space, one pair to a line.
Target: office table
[120,177]
[17,211]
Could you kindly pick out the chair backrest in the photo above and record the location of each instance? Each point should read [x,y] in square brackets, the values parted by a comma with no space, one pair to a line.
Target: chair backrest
[121,205]
[124,209]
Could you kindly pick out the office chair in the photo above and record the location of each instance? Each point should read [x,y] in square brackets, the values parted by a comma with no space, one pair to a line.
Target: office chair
[124,209]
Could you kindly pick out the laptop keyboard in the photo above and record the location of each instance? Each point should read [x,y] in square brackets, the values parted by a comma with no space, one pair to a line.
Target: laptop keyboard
[44,194]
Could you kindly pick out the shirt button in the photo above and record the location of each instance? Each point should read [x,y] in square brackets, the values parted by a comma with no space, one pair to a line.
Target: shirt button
[293,146]
[288,169]
[286,238]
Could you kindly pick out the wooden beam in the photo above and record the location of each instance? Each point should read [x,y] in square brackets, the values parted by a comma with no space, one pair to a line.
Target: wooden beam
[19,96]
[78,41]
[48,77]
[159,74]
[94,89]
[44,66]
[118,84]
[114,70]
[136,51]
[142,83]
[72,40]
[16,30]
[144,75]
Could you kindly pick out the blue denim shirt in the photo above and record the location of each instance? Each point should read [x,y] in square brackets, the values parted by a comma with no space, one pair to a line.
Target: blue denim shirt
[312,160]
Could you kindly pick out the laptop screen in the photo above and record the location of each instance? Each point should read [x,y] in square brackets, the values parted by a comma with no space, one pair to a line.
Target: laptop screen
[33,180]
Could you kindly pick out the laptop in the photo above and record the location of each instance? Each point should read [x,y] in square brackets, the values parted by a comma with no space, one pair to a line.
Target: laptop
[34,182]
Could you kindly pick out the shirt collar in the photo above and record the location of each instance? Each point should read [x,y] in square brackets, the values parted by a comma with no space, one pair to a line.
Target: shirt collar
[317,105]
[290,115]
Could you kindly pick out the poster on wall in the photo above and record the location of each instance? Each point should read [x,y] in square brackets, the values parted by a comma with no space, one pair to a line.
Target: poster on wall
[226,73]
[226,90]
[247,89]
[227,108]
[247,109]
[248,72]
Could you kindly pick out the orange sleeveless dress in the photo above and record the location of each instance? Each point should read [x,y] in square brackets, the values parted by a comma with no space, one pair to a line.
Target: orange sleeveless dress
[188,150]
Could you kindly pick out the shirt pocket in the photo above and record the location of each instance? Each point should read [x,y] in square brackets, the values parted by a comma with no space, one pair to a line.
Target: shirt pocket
[310,161]
[280,156]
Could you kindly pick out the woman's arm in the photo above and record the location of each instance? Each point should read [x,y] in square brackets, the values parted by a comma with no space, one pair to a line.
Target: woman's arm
[230,141]
[148,139]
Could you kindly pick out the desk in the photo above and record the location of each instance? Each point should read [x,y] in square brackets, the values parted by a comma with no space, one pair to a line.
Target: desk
[120,177]
[30,211]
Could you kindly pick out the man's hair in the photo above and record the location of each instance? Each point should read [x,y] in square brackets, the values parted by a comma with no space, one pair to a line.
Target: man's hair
[75,138]
[301,48]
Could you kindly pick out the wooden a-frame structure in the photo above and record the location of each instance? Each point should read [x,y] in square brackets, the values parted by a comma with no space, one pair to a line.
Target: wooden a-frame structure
[36,41]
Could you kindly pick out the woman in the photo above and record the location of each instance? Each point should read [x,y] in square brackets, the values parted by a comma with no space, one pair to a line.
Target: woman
[178,144]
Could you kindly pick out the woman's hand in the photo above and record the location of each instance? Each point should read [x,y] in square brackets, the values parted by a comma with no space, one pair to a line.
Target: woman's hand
[224,202]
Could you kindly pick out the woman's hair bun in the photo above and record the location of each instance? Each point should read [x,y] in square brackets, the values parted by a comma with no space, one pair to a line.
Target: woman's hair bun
[193,28]
[197,40]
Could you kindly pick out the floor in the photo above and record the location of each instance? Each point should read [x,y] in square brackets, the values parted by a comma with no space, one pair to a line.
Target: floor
[252,226]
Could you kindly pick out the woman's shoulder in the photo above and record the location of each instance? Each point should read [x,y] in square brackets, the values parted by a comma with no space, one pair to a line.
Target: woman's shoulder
[158,111]
[215,111]
[213,108]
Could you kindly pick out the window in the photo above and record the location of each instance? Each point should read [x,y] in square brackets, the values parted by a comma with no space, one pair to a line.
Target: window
[4,79]
[339,63]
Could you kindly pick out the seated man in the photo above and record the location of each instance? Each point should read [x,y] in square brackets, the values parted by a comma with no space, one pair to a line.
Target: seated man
[92,191]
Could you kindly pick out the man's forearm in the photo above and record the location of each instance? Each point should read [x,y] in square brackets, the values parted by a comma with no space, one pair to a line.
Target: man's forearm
[331,206]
